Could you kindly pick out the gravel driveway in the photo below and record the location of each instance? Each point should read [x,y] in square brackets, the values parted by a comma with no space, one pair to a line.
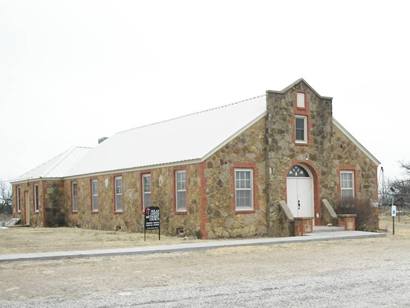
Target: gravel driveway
[359,273]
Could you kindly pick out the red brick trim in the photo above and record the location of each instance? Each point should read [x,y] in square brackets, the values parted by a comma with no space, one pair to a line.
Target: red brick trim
[244,165]
[316,186]
[174,191]
[122,193]
[356,179]
[302,112]
[203,204]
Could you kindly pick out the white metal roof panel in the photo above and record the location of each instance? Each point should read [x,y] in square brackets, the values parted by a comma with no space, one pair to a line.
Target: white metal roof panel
[180,139]
[56,167]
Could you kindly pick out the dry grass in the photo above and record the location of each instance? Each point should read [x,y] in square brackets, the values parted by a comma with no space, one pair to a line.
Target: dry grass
[402,227]
[23,239]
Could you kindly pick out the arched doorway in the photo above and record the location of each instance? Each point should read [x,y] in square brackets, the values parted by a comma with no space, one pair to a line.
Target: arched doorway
[299,190]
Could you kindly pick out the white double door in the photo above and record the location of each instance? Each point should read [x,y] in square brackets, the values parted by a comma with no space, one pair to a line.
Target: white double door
[300,196]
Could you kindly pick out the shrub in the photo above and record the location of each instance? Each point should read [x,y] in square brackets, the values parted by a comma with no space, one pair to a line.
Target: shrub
[367,216]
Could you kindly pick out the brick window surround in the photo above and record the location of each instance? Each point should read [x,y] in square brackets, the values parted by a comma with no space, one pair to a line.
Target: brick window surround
[175,191]
[248,166]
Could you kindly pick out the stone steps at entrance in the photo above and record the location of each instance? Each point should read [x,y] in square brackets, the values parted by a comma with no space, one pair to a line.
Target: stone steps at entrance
[327,229]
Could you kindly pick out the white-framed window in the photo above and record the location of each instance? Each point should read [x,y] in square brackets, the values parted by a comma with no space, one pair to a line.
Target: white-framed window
[36,199]
[18,200]
[301,129]
[300,100]
[346,185]
[243,189]
[146,191]
[94,195]
[180,190]
[74,197]
[118,193]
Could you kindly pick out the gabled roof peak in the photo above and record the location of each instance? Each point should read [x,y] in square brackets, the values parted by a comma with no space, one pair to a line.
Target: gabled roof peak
[300,80]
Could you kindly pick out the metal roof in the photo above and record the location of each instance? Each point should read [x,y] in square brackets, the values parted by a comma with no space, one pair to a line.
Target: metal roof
[56,167]
[184,139]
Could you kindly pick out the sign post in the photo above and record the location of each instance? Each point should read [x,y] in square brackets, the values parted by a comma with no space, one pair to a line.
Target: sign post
[393,215]
[152,221]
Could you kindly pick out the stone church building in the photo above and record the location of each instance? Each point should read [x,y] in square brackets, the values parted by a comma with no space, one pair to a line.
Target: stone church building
[245,169]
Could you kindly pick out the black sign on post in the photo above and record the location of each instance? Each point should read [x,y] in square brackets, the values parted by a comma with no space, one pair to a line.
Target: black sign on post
[151,220]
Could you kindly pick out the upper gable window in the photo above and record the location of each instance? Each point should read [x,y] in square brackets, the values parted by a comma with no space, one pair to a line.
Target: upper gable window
[301,129]
[300,100]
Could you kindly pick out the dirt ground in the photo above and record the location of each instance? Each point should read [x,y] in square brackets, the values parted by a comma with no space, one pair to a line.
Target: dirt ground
[24,239]
[348,273]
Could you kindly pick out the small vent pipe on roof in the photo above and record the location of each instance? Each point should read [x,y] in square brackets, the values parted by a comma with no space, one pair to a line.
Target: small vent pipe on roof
[102,139]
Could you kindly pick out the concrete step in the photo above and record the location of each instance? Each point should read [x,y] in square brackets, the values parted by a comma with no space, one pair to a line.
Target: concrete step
[327,229]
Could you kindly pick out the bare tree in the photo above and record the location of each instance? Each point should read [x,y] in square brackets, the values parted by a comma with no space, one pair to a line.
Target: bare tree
[401,188]
[5,198]
[406,167]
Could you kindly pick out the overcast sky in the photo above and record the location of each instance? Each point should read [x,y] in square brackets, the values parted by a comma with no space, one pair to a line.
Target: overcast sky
[74,71]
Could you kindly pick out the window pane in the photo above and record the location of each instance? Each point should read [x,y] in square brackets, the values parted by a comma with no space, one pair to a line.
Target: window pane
[300,101]
[180,180]
[300,129]
[95,203]
[243,179]
[147,183]
[347,180]
[300,123]
[181,198]
[74,197]
[118,185]
[300,135]
[243,199]
[118,203]
[347,194]
[147,200]
[36,201]
[95,187]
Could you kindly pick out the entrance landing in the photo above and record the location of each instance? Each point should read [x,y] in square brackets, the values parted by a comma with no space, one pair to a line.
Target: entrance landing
[327,229]
[212,244]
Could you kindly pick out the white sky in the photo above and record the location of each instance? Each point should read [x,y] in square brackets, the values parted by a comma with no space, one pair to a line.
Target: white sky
[73,71]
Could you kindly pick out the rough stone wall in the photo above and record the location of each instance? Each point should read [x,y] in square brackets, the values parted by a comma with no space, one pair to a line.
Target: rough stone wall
[131,219]
[347,155]
[282,151]
[268,147]
[36,218]
[45,216]
[327,152]
[246,150]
